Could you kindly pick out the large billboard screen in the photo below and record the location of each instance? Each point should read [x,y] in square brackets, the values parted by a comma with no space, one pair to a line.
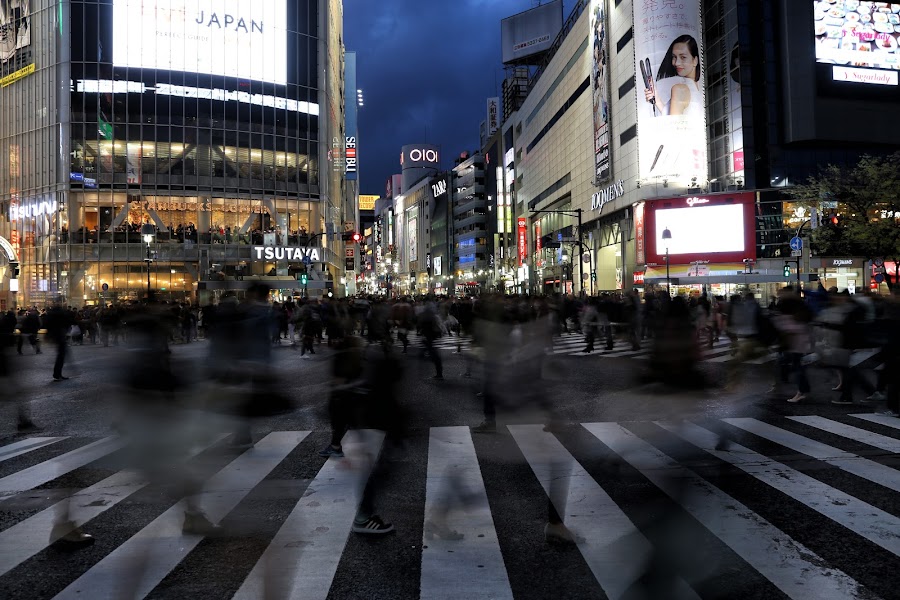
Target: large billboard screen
[600,90]
[530,32]
[717,227]
[246,39]
[851,34]
[672,113]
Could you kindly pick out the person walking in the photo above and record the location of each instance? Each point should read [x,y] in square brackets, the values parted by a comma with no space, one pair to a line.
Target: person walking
[430,327]
[28,328]
[58,321]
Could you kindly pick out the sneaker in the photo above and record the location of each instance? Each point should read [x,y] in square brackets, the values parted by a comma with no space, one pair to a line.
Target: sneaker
[373,525]
[876,397]
[441,531]
[69,534]
[842,401]
[797,398]
[60,378]
[485,427]
[329,451]
[197,523]
[560,534]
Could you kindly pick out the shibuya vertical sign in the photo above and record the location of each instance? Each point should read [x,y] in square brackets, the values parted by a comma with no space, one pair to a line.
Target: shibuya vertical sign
[600,90]
[671,97]
[522,239]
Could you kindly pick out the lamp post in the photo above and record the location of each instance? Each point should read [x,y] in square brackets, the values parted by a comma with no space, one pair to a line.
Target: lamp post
[667,235]
[148,232]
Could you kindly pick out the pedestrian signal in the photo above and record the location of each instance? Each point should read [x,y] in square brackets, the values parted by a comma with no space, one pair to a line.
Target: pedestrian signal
[303,278]
[787,270]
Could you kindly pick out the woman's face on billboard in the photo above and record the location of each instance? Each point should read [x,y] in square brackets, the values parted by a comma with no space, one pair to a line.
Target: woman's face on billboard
[685,64]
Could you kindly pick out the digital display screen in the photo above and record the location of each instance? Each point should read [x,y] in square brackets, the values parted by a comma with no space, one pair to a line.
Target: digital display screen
[857,33]
[701,229]
[245,39]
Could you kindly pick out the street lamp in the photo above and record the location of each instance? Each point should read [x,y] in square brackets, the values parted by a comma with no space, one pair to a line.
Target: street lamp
[148,232]
[667,235]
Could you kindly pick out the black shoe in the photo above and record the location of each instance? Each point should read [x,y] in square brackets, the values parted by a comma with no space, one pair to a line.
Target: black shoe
[28,427]
[438,377]
[198,524]
[60,378]
[373,526]
[70,535]
[485,427]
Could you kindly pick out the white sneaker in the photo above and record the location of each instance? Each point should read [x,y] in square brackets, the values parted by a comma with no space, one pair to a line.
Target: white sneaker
[876,397]
[797,398]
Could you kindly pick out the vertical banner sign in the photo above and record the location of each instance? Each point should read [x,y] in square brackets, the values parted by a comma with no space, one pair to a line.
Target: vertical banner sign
[640,251]
[350,155]
[671,97]
[600,90]
[133,159]
[523,246]
[493,116]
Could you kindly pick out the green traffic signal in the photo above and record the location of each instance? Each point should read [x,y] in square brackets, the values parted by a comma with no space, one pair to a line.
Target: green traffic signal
[787,270]
[303,279]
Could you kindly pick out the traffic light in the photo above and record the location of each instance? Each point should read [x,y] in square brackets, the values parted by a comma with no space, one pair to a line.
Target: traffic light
[357,237]
[303,278]
[351,236]
[14,266]
[787,269]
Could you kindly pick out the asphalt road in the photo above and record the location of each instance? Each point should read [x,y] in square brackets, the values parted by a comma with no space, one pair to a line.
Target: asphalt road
[798,501]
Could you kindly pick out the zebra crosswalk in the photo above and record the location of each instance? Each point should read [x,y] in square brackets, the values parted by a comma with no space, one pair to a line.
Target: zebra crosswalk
[799,507]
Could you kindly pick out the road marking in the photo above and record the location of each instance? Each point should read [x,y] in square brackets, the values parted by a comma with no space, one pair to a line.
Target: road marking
[49,470]
[25,446]
[860,356]
[25,539]
[302,558]
[892,422]
[789,565]
[872,523]
[161,545]
[869,438]
[472,566]
[614,549]
[846,461]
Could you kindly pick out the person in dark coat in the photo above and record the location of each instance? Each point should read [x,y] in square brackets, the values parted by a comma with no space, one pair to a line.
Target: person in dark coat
[58,321]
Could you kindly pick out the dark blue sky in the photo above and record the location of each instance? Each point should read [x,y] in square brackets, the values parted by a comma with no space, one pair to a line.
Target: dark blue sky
[423,66]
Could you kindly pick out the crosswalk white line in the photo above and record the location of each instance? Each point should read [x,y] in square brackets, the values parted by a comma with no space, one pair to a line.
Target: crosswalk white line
[860,356]
[613,548]
[846,461]
[162,543]
[790,566]
[892,422]
[877,526]
[26,538]
[473,565]
[49,470]
[876,440]
[302,558]
[25,446]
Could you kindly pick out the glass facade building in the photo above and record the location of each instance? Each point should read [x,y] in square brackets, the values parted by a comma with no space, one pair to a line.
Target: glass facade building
[222,129]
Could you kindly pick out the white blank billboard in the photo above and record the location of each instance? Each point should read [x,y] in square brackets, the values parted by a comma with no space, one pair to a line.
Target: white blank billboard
[246,39]
[701,230]
[530,32]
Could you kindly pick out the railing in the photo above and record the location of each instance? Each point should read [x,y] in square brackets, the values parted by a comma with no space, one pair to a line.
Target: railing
[554,47]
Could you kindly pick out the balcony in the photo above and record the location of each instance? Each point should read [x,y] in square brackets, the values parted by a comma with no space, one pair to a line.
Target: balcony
[475,203]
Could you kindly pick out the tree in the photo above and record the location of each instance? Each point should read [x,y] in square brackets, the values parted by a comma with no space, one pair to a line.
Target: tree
[866,220]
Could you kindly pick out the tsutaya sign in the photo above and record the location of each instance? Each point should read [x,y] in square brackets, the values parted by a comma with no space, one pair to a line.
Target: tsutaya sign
[290,253]
[601,198]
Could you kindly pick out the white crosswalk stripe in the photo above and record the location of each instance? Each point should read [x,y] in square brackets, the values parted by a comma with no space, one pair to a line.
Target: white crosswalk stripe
[303,558]
[25,446]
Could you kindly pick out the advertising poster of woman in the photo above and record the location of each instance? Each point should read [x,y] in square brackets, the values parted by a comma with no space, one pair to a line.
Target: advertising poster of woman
[600,90]
[672,104]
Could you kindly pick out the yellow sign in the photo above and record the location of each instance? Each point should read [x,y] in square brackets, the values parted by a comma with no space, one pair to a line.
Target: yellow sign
[17,75]
[367,202]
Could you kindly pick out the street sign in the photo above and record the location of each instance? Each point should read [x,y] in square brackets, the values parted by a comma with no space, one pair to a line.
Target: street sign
[796,252]
[307,260]
[559,237]
[879,278]
[796,245]
[105,287]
